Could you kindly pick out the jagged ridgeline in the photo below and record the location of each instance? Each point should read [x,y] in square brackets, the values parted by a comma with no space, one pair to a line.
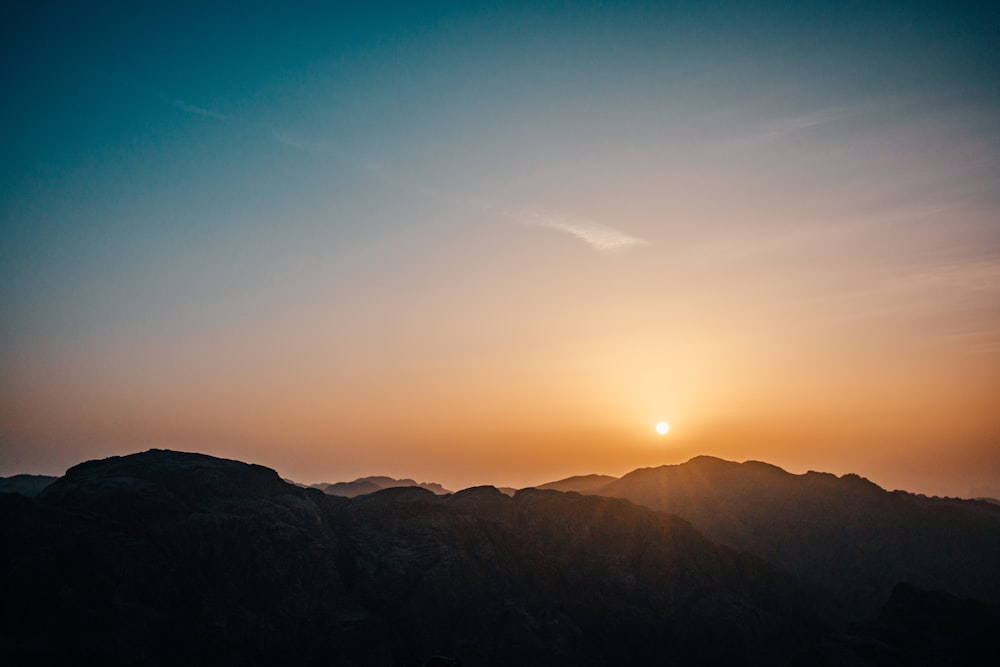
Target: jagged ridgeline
[176,558]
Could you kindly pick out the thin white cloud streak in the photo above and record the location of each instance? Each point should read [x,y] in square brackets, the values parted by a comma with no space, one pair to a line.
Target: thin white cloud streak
[300,143]
[600,237]
[825,233]
[195,110]
[174,102]
[979,275]
[279,135]
[790,125]
[896,292]
[451,199]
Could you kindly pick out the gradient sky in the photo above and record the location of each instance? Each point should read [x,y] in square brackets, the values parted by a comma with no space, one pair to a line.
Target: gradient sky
[476,243]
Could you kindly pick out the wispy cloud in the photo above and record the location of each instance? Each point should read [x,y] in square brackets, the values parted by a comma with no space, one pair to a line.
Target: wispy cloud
[279,135]
[193,109]
[301,143]
[174,102]
[600,237]
[972,275]
[432,194]
[790,125]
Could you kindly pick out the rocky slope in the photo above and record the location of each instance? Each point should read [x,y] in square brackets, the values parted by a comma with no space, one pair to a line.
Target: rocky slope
[915,627]
[172,558]
[845,535]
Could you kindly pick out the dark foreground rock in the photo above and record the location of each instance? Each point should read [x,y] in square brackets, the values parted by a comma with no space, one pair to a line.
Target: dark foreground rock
[172,558]
[916,627]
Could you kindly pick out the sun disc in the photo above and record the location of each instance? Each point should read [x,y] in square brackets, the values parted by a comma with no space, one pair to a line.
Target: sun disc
[662,428]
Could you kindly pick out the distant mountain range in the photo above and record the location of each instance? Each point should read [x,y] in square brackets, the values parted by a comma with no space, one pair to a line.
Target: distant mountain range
[25,485]
[165,558]
[580,483]
[363,485]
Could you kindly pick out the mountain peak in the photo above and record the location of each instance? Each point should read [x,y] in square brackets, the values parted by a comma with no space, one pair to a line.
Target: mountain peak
[373,483]
[707,460]
[579,483]
[160,481]
[480,493]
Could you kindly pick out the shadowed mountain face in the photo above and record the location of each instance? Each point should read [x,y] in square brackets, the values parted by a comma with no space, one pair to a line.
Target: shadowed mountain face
[844,535]
[552,578]
[172,558]
[25,485]
[363,485]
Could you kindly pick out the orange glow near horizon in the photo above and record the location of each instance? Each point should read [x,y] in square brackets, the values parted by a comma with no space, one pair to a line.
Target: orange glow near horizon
[521,419]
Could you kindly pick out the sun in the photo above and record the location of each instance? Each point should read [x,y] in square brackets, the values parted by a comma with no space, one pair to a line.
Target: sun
[662,428]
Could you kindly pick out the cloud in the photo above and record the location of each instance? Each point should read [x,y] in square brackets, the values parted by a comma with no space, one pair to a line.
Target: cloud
[194,110]
[300,143]
[176,103]
[598,236]
[789,125]
[376,169]
[279,135]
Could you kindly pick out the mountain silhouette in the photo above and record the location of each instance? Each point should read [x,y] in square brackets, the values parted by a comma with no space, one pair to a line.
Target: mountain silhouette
[372,484]
[25,485]
[175,558]
[172,558]
[844,535]
[580,483]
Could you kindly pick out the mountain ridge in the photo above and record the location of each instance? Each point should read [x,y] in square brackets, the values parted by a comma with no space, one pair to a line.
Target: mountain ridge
[187,559]
[843,534]
[178,558]
[579,483]
[373,483]
[25,485]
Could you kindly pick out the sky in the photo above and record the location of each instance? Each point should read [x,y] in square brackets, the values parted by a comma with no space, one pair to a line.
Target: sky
[494,243]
